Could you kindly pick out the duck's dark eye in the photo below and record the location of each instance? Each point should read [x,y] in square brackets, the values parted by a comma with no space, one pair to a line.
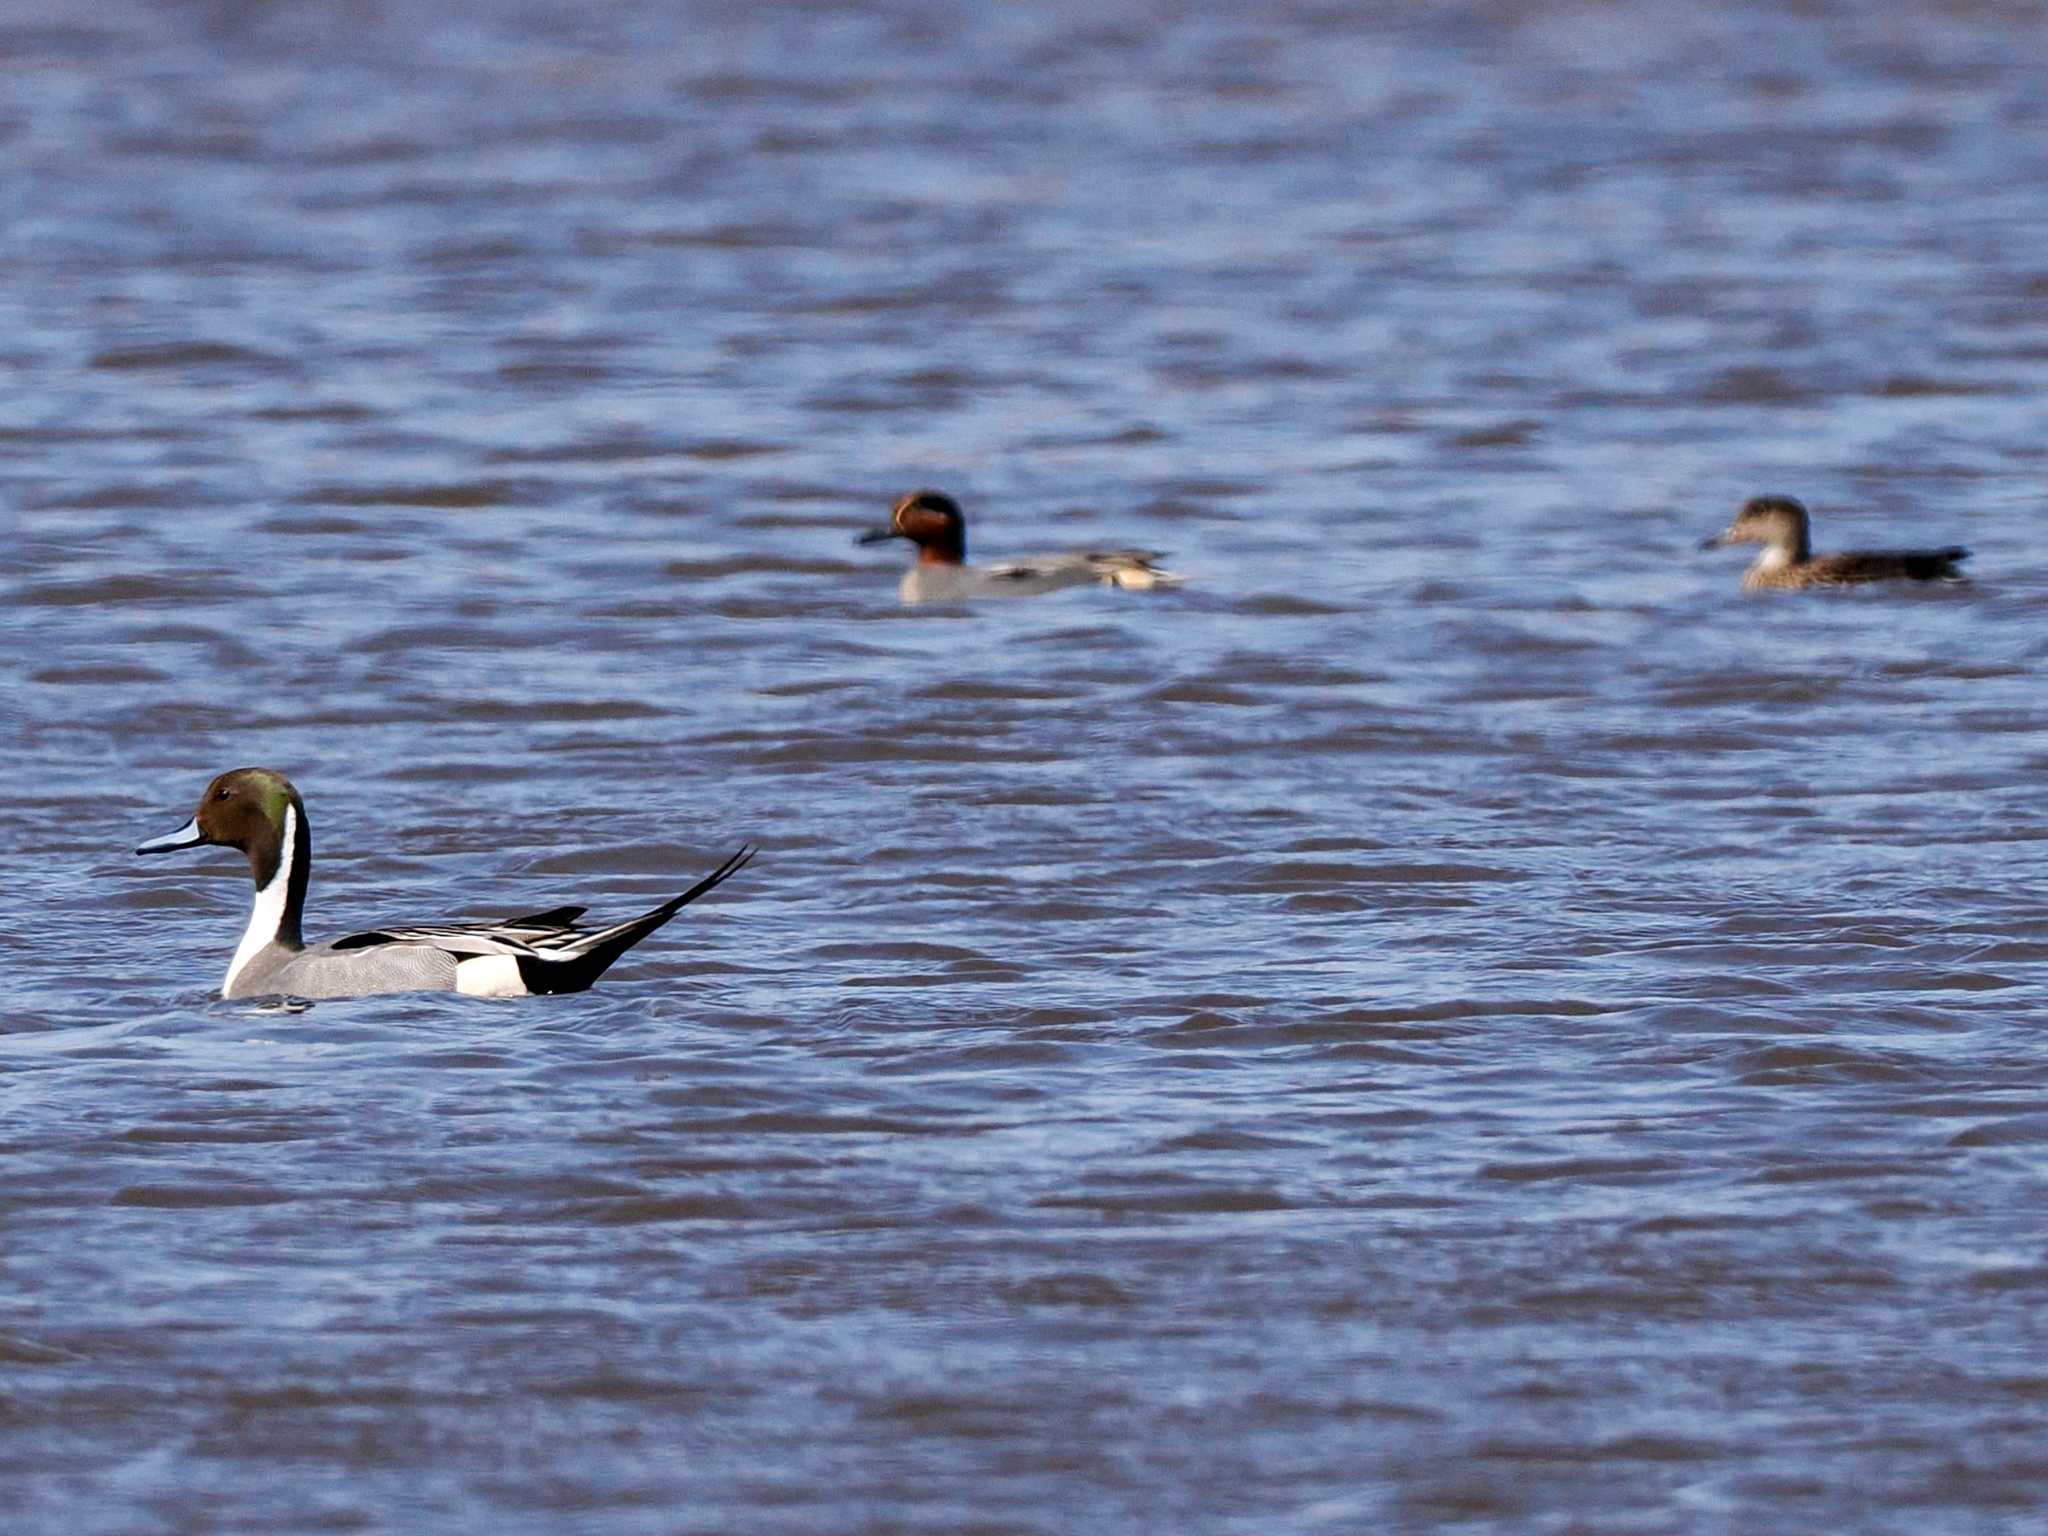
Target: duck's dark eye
[223,794]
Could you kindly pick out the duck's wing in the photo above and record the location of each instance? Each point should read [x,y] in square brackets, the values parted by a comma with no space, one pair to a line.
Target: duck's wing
[536,933]
[539,936]
[1117,567]
[1890,565]
[554,917]
[511,938]
[556,954]
[1133,568]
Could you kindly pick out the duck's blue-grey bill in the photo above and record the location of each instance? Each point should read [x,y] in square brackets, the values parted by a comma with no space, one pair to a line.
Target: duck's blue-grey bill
[877,536]
[1715,542]
[187,836]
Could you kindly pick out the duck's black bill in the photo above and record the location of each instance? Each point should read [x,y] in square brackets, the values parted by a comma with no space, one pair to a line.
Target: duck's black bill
[187,836]
[1715,542]
[878,536]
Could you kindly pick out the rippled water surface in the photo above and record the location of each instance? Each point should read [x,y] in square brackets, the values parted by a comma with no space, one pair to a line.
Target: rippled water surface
[1453,1020]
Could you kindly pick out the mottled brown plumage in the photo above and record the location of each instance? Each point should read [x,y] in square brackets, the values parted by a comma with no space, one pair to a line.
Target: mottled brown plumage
[1781,526]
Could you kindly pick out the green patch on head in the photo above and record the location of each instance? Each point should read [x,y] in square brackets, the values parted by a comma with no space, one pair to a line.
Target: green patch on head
[273,792]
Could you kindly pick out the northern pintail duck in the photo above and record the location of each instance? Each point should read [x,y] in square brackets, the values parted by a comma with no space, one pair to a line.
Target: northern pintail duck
[258,813]
[1780,524]
[931,520]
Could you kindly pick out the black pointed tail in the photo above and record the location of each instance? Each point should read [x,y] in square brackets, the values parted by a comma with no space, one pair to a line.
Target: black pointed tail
[578,968]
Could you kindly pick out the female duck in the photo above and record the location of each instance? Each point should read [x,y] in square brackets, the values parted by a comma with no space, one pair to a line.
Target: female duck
[1780,524]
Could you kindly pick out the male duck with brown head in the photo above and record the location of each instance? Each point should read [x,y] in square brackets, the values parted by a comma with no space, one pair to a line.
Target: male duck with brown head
[257,812]
[1780,524]
[932,521]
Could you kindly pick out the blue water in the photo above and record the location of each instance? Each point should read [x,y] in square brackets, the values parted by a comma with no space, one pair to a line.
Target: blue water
[1455,1019]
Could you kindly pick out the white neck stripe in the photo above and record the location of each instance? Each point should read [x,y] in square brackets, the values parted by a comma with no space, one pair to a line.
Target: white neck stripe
[267,916]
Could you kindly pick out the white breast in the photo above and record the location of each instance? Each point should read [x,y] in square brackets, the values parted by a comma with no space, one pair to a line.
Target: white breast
[1773,558]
